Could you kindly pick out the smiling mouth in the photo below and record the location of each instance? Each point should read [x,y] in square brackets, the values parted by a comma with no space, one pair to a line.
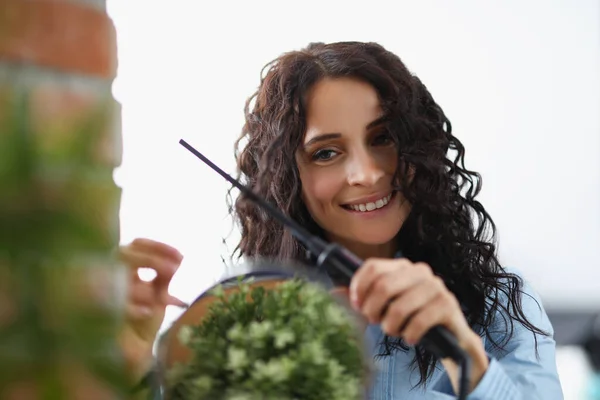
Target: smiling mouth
[371,206]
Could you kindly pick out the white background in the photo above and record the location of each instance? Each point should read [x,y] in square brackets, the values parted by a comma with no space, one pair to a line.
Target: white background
[519,80]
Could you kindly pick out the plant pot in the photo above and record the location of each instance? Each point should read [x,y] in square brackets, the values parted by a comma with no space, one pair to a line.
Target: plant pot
[265,274]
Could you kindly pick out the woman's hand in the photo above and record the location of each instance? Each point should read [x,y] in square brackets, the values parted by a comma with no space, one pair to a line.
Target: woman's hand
[146,302]
[407,299]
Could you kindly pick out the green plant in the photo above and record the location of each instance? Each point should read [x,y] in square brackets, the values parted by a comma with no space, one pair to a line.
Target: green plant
[57,236]
[294,341]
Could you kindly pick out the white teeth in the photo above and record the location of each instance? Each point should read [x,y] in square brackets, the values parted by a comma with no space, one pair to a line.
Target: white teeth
[373,205]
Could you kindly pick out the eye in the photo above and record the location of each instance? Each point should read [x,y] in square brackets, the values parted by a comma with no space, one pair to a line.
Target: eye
[323,155]
[383,139]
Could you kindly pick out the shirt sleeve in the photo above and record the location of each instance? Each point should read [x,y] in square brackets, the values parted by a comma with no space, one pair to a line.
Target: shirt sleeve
[518,371]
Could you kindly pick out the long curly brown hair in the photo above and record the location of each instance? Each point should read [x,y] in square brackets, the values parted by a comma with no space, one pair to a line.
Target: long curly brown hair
[447,228]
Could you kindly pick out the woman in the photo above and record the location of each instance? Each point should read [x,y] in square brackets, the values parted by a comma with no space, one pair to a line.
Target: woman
[372,171]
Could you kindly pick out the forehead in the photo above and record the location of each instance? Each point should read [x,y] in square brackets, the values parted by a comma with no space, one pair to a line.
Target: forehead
[341,105]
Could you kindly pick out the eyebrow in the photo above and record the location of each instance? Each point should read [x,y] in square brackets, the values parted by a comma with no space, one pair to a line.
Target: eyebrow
[335,135]
[322,138]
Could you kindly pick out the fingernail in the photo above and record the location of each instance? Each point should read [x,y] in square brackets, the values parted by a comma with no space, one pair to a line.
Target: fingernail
[174,301]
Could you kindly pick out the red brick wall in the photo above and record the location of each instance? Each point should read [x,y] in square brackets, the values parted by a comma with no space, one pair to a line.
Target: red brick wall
[69,36]
[64,54]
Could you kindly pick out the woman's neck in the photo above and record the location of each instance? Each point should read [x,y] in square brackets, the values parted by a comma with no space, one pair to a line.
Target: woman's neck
[364,251]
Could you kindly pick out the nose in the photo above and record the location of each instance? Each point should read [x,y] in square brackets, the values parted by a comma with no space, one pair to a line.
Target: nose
[364,170]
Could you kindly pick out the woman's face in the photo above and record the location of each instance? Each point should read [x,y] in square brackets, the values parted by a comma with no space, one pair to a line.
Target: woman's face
[346,168]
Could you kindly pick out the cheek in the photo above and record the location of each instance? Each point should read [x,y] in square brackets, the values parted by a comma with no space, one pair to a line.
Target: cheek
[320,190]
[388,160]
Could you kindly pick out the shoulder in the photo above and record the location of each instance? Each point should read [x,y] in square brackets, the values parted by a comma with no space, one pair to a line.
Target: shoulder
[518,290]
[522,359]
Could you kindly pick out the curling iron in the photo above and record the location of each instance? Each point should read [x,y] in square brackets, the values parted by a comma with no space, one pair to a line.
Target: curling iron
[341,263]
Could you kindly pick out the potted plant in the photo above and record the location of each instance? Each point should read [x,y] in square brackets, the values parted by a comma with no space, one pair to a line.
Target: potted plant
[279,339]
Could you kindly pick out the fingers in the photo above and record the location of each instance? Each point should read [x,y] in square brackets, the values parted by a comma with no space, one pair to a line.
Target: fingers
[437,312]
[383,280]
[367,274]
[146,293]
[383,290]
[158,248]
[149,299]
[138,312]
[142,293]
[136,258]
[400,300]
[400,311]
[406,299]
[141,301]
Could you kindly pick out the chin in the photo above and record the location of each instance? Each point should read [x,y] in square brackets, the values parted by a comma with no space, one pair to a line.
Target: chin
[373,238]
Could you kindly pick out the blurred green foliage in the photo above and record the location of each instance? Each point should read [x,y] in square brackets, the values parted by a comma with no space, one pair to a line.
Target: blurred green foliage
[59,297]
